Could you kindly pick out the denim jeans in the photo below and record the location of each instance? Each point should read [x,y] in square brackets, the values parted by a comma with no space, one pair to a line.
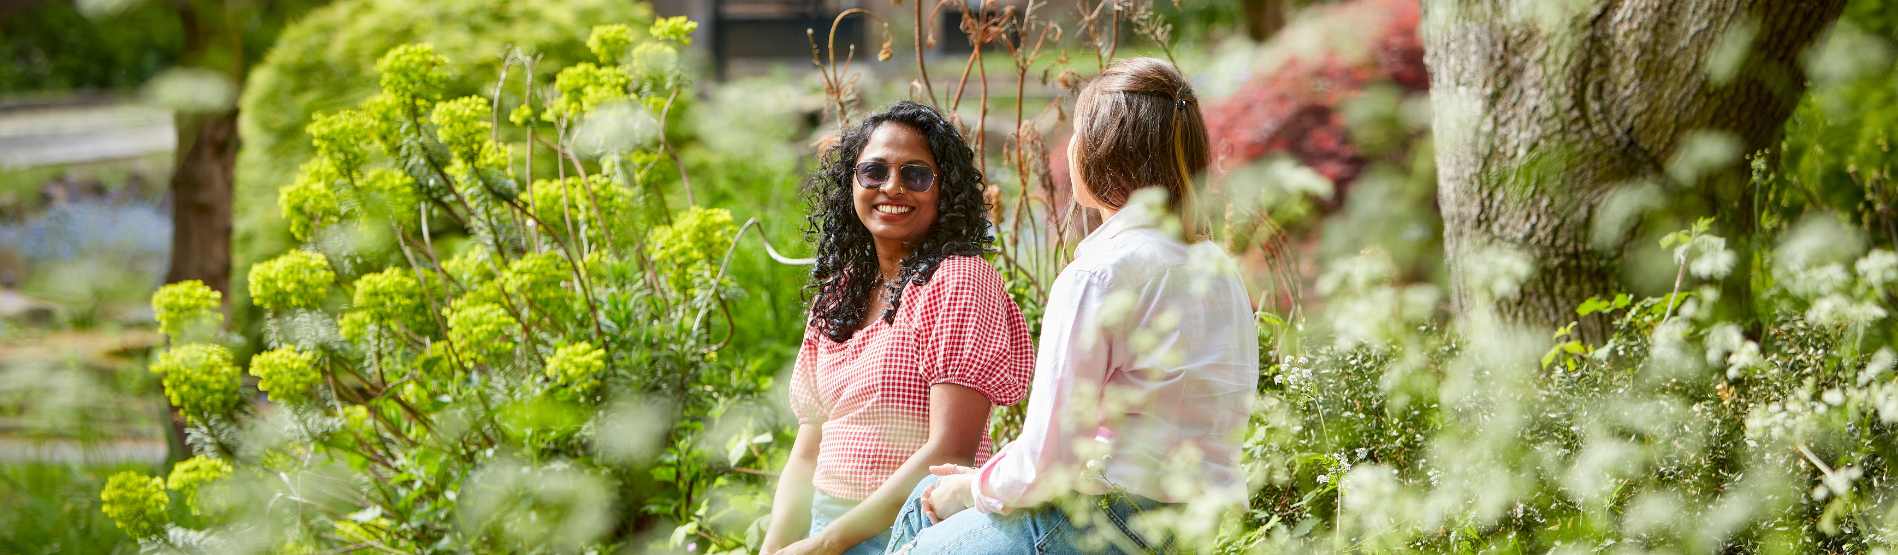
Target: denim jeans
[826,509]
[1045,529]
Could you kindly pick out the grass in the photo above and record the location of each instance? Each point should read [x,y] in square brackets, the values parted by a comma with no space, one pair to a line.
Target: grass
[54,508]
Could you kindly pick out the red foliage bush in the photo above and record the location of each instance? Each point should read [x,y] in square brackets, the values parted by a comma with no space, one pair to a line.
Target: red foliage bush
[1293,108]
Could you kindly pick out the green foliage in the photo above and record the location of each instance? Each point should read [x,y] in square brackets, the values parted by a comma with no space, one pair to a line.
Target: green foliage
[462,124]
[589,204]
[391,297]
[412,74]
[311,203]
[187,309]
[136,503]
[691,247]
[1837,153]
[611,43]
[482,330]
[192,475]
[328,60]
[1680,432]
[343,138]
[490,382]
[297,279]
[58,504]
[200,379]
[286,374]
[55,47]
[542,280]
[676,29]
[585,86]
[575,370]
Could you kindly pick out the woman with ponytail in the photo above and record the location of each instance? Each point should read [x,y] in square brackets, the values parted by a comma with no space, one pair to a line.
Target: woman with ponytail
[1148,359]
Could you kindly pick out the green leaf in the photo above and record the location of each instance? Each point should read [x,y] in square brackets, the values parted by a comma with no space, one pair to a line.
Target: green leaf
[1591,306]
[736,451]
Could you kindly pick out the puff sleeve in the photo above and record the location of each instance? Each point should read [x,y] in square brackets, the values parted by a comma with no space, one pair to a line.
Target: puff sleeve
[805,403]
[972,334]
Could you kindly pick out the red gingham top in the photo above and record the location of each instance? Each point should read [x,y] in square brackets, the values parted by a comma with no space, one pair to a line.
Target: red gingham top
[871,393]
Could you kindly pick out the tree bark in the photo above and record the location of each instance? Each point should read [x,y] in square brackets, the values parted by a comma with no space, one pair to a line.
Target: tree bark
[1539,113]
[201,187]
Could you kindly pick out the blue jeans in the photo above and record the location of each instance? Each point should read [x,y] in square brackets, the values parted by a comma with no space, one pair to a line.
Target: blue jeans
[1044,529]
[826,509]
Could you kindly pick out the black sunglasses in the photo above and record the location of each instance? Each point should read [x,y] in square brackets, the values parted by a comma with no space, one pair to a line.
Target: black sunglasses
[915,177]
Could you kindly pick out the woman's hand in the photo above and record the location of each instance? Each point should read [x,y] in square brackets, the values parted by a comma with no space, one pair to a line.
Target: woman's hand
[814,545]
[952,492]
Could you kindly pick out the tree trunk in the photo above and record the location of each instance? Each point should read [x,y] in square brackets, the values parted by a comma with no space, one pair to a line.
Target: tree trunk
[1541,110]
[201,183]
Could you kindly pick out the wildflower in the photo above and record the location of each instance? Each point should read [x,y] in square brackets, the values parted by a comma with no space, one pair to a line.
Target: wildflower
[1878,268]
[310,203]
[1745,357]
[615,128]
[343,137]
[390,297]
[676,29]
[1819,280]
[355,326]
[1721,340]
[610,42]
[356,420]
[1841,311]
[462,124]
[387,194]
[596,205]
[1499,271]
[199,379]
[584,86]
[481,330]
[1881,362]
[136,503]
[189,477]
[413,73]
[655,60]
[575,370]
[185,307]
[297,279]
[522,115]
[1707,257]
[286,374]
[687,252]
[541,279]
[1817,241]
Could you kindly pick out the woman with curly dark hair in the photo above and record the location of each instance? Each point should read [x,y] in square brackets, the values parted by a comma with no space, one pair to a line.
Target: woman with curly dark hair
[911,340]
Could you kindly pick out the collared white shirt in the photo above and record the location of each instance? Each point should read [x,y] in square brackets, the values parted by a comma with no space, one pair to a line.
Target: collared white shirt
[1144,379]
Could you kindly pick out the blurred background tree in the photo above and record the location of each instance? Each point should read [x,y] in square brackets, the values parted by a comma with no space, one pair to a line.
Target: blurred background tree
[1543,111]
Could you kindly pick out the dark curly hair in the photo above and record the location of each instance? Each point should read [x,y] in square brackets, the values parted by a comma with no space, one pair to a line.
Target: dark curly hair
[846,270]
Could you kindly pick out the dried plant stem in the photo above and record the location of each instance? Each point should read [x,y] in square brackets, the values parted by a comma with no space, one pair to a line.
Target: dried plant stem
[685,181]
[922,70]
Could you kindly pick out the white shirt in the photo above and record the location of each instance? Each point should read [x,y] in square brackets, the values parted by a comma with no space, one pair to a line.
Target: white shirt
[1144,379]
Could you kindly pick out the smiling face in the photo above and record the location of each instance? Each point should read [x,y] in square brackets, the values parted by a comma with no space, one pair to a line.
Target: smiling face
[896,216]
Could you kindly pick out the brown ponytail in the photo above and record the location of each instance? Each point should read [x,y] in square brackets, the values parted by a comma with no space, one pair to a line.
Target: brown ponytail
[1136,110]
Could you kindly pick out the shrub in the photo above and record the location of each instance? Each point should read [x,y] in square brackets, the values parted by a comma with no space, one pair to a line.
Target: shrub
[1682,432]
[494,389]
[328,60]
